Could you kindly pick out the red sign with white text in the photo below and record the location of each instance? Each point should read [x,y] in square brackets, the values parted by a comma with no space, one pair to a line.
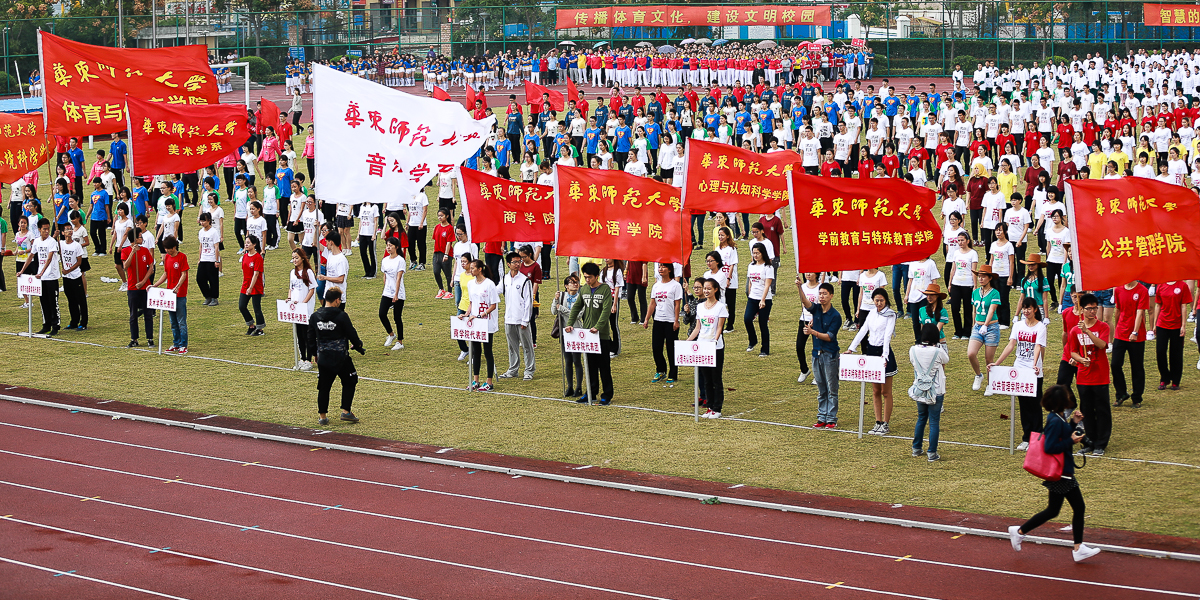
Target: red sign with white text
[1132,229]
[725,178]
[85,85]
[842,224]
[612,214]
[501,210]
[178,139]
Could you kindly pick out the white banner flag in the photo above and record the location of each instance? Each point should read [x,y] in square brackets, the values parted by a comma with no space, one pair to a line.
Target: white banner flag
[378,143]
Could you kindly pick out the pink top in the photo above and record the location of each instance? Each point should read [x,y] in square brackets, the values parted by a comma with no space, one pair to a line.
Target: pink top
[230,160]
[31,178]
[97,170]
[310,144]
[270,149]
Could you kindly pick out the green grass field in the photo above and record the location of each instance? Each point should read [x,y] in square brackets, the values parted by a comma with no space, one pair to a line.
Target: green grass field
[417,394]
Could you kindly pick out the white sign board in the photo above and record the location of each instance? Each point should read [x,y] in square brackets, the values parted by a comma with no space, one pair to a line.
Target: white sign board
[29,285]
[294,311]
[581,340]
[696,353]
[468,331]
[1012,381]
[857,367]
[160,299]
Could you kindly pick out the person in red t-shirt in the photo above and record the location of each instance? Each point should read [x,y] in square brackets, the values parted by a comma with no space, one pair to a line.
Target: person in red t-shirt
[175,274]
[443,262]
[1169,299]
[252,287]
[1132,301]
[828,165]
[866,166]
[139,269]
[1089,344]
[1070,316]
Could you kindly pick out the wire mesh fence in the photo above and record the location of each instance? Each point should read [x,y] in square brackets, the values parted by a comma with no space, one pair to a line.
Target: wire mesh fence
[907,38]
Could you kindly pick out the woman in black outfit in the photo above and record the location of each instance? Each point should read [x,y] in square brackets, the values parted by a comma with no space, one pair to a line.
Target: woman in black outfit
[1060,436]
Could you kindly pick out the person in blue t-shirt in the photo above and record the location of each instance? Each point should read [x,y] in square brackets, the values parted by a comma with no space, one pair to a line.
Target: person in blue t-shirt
[653,135]
[591,139]
[503,152]
[62,205]
[601,114]
[101,203]
[283,181]
[832,112]
[116,158]
[140,196]
[624,140]
[76,156]
[741,120]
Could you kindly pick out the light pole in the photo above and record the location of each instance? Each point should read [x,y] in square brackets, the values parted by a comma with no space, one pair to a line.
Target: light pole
[484,15]
[7,85]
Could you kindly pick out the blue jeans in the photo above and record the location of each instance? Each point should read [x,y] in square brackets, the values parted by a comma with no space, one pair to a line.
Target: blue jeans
[179,337]
[321,284]
[899,285]
[825,370]
[933,414]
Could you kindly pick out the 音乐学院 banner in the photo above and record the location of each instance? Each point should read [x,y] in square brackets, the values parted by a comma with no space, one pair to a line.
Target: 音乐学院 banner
[1172,15]
[675,15]
[1132,229]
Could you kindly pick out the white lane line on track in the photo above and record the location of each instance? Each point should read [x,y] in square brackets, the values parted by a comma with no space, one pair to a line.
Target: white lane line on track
[577,513]
[202,558]
[563,401]
[75,575]
[475,567]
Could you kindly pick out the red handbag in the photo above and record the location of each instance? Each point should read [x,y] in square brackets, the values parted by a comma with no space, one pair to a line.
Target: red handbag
[1042,465]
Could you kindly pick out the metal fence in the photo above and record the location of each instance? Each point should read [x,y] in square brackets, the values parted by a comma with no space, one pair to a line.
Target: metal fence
[908,38]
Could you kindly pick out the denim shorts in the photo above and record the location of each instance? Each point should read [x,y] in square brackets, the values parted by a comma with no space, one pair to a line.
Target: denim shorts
[990,337]
[1105,297]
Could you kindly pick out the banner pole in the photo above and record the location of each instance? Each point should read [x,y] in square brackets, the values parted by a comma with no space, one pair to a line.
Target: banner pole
[1012,424]
[558,320]
[862,401]
[792,218]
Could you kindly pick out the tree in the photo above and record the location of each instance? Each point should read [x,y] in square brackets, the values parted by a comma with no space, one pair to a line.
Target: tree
[258,13]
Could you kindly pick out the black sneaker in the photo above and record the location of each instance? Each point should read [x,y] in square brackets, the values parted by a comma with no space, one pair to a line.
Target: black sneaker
[569,394]
[258,331]
[149,342]
[249,331]
[581,400]
[1119,401]
[1098,452]
[605,401]
[132,344]
[54,331]
[43,331]
[349,417]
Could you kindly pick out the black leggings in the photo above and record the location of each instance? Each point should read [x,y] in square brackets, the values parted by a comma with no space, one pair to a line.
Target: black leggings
[1053,272]
[312,170]
[366,249]
[208,279]
[802,348]
[1168,353]
[259,322]
[1075,498]
[632,290]
[574,367]
[849,291]
[714,385]
[99,231]
[302,342]
[416,244]
[764,315]
[960,299]
[271,235]
[731,304]
[397,308]
[663,337]
[487,355]
[441,266]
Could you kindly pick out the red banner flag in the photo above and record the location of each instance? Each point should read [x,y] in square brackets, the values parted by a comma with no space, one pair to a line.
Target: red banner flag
[572,92]
[85,85]
[1132,228]
[440,94]
[472,96]
[674,15]
[502,210]
[724,178]
[177,139]
[841,224]
[533,97]
[268,115]
[1171,15]
[25,146]
[612,214]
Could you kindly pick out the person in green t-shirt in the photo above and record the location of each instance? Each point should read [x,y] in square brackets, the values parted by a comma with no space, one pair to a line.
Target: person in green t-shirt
[985,302]
[1035,285]
[934,313]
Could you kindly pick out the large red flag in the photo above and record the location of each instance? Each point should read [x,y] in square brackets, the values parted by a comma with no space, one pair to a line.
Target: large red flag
[612,214]
[269,115]
[533,97]
[840,224]
[501,210]
[24,147]
[85,85]
[178,139]
[572,92]
[1132,228]
[472,96]
[724,178]
[440,94]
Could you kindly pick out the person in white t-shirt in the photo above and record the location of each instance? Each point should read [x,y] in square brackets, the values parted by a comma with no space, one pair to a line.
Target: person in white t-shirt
[1002,257]
[74,259]
[759,276]
[168,225]
[868,281]
[343,217]
[256,225]
[921,273]
[962,260]
[208,270]
[665,298]
[710,325]
[393,296]
[1028,338]
[418,206]
[337,267]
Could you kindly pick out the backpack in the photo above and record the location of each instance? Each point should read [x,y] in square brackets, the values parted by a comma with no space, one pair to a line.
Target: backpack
[924,387]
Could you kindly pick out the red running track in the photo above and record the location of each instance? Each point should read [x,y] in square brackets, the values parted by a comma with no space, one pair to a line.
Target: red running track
[99,508]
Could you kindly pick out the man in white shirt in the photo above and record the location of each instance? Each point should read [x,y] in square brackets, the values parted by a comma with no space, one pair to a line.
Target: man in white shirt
[418,206]
[46,249]
[337,266]
[518,310]
[810,152]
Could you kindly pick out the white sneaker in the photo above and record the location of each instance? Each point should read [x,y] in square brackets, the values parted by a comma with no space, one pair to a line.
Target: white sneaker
[802,377]
[988,391]
[354,244]
[1014,535]
[398,346]
[1023,446]
[462,356]
[1084,552]
[717,415]
[1198,365]
[124,287]
[391,339]
[833,279]
[874,430]
[1003,327]
[305,366]
[978,382]
[814,381]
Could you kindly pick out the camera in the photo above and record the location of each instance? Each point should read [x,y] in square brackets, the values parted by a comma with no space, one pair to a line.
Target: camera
[1079,430]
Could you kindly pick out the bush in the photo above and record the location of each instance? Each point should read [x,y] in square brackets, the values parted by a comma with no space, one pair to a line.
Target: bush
[1058,59]
[259,68]
[967,61]
[8,83]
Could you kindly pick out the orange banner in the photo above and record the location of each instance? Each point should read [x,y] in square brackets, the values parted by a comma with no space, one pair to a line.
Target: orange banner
[1132,228]
[612,214]
[25,146]
[178,139]
[86,85]
[501,210]
[673,15]
[724,178]
[1172,15]
[841,224]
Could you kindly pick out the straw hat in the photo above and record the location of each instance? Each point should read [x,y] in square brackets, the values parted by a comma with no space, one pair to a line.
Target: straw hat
[986,270]
[1034,259]
[935,290]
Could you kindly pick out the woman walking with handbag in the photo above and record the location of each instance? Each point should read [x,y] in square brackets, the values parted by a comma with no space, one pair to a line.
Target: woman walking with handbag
[1057,442]
[929,388]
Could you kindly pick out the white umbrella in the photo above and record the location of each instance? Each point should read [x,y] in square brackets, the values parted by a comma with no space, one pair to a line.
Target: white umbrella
[666,49]
[767,44]
[643,45]
[824,42]
[566,43]
[703,41]
[687,41]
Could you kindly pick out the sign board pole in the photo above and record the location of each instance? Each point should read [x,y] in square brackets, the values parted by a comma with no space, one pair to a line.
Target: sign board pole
[471,364]
[862,401]
[696,384]
[296,348]
[160,326]
[587,379]
[1012,424]
[30,306]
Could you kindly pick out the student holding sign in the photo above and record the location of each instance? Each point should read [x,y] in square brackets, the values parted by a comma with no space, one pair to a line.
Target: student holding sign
[484,299]
[46,249]
[878,329]
[710,319]
[1028,338]
[175,274]
[591,311]
[139,268]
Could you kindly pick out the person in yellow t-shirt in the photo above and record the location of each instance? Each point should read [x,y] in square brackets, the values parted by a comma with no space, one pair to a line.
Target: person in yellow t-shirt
[1118,156]
[1096,161]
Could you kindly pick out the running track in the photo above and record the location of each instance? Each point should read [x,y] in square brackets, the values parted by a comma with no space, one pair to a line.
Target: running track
[93,507]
